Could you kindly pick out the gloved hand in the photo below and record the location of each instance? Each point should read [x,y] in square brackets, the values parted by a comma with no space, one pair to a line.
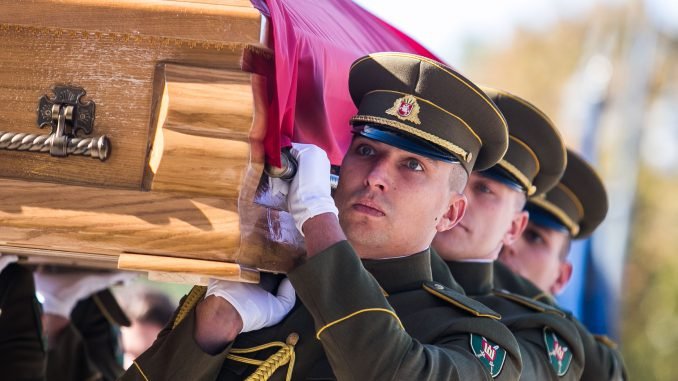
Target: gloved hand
[310,191]
[257,307]
[276,197]
[62,291]
[6,260]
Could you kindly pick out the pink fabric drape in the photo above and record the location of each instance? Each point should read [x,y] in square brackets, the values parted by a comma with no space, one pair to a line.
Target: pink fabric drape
[315,43]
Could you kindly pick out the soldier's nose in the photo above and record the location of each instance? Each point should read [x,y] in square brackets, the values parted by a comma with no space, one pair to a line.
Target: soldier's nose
[377,178]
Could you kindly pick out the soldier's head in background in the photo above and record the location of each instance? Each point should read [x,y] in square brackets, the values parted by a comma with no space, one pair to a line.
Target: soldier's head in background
[420,128]
[534,162]
[149,311]
[571,210]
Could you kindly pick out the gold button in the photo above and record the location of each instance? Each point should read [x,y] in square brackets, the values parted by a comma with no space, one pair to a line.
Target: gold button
[292,338]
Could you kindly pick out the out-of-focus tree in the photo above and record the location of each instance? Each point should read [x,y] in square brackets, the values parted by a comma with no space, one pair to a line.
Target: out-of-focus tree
[650,313]
[537,65]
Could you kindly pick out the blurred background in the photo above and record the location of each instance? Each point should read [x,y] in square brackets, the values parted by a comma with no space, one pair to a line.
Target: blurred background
[606,71]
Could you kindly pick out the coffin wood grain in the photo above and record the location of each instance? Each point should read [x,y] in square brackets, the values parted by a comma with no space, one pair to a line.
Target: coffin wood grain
[223,21]
[186,126]
[202,137]
[117,74]
[100,220]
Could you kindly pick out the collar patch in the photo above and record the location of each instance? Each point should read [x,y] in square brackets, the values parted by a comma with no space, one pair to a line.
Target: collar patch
[559,354]
[492,356]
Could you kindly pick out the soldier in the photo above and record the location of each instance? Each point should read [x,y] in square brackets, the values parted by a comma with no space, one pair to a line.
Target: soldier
[81,347]
[420,128]
[549,344]
[81,320]
[571,210]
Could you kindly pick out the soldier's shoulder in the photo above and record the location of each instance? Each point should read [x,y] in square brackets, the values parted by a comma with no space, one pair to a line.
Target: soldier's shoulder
[530,303]
[460,300]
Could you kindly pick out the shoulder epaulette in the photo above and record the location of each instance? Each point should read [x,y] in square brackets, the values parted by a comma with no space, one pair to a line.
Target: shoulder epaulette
[605,341]
[460,300]
[545,298]
[527,302]
[189,302]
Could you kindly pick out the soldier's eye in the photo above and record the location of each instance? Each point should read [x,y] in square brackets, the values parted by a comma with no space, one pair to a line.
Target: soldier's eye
[533,237]
[483,188]
[414,165]
[364,150]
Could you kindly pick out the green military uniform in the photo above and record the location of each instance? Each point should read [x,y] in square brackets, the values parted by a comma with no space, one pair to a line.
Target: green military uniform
[372,320]
[85,350]
[382,319]
[22,348]
[98,319]
[534,324]
[89,347]
[578,204]
[550,345]
[603,359]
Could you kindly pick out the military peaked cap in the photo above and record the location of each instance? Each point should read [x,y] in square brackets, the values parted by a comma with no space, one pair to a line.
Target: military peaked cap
[427,101]
[536,156]
[578,202]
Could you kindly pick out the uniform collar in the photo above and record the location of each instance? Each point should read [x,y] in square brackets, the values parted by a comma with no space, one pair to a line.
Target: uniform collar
[400,274]
[475,277]
[512,282]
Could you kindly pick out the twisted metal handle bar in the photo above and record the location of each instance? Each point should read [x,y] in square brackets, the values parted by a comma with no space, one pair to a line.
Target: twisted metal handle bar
[96,147]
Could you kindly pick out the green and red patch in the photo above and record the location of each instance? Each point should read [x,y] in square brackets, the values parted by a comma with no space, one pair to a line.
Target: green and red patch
[492,356]
[559,354]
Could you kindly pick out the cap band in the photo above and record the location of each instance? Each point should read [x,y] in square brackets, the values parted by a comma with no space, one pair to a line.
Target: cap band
[405,142]
[501,175]
[557,212]
[545,219]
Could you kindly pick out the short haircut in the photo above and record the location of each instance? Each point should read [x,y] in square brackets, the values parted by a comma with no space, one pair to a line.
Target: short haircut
[565,250]
[458,178]
[150,306]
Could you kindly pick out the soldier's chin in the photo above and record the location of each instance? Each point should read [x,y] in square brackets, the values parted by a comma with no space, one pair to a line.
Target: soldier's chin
[365,237]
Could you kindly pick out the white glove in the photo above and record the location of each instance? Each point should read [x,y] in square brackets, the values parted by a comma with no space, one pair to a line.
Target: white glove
[257,307]
[61,292]
[6,260]
[310,191]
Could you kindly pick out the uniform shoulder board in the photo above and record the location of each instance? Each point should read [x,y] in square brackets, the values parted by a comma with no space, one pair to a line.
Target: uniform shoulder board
[605,341]
[527,302]
[460,300]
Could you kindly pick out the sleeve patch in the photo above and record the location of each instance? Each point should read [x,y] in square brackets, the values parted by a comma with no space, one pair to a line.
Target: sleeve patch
[560,356]
[491,355]
[460,300]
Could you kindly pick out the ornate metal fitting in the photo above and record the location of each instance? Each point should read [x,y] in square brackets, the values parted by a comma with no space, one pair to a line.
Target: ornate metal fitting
[69,119]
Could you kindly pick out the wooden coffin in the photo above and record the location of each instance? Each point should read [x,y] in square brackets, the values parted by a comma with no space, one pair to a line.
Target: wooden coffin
[184,115]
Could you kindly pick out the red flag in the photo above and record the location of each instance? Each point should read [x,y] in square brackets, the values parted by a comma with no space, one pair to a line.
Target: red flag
[315,43]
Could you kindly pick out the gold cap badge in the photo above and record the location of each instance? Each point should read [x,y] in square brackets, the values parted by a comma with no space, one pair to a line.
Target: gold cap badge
[405,108]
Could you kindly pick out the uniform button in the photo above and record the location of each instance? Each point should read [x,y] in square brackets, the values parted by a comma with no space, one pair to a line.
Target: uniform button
[438,286]
[292,338]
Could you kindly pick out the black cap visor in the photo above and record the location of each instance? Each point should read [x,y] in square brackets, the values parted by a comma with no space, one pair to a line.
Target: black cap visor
[406,142]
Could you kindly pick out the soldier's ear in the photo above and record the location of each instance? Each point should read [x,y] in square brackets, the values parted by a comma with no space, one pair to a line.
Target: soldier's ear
[564,275]
[454,214]
[518,225]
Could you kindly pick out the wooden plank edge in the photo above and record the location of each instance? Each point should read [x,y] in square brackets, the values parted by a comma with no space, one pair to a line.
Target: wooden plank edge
[184,268]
